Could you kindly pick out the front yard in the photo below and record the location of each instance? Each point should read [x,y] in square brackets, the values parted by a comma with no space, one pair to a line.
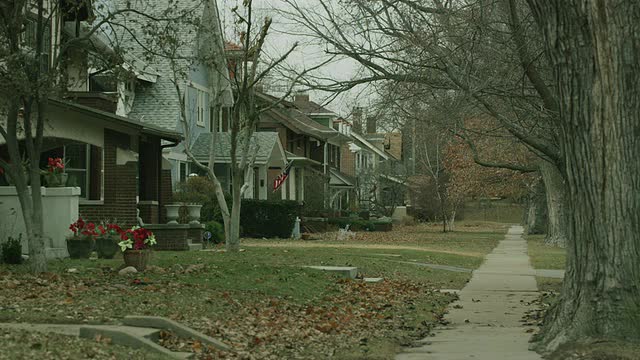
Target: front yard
[260,301]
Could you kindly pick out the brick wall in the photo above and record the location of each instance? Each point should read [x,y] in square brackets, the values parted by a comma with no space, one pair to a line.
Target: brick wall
[100,101]
[394,140]
[166,195]
[347,161]
[149,212]
[195,233]
[120,191]
[171,239]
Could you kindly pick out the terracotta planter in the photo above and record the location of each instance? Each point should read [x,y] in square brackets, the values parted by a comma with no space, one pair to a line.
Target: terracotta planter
[173,212]
[56,180]
[79,248]
[139,259]
[194,213]
[107,246]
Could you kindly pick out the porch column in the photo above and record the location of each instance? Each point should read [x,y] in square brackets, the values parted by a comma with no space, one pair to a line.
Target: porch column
[150,167]
[264,187]
[292,183]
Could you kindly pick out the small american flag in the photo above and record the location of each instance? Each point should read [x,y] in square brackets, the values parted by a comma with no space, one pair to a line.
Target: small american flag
[282,177]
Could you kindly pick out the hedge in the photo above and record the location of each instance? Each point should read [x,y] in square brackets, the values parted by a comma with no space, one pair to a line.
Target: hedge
[268,218]
[356,224]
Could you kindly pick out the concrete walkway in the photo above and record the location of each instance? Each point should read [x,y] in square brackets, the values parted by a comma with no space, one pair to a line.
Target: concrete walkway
[485,322]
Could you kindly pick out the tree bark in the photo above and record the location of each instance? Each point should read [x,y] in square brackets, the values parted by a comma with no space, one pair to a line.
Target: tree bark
[557,207]
[594,47]
[30,197]
[535,216]
[233,239]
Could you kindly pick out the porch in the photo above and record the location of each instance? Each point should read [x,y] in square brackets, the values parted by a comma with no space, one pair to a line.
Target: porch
[114,167]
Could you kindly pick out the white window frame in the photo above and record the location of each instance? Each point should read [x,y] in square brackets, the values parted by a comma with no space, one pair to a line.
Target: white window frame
[201,103]
[200,108]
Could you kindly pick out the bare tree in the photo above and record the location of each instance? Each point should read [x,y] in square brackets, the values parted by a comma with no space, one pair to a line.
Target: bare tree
[249,67]
[569,96]
[451,46]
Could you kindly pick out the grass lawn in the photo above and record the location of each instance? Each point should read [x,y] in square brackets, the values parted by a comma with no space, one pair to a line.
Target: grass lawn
[31,345]
[261,301]
[471,238]
[543,256]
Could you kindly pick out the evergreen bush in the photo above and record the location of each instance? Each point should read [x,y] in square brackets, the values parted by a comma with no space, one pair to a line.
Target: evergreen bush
[267,218]
[12,250]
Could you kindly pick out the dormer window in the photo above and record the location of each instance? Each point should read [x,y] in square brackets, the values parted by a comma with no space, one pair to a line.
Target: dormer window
[30,38]
[76,10]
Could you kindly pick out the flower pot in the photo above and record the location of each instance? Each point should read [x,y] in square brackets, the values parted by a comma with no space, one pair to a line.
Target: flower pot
[194,213]
[79,248]
[56,179]
[173,211]
[137,258]
[107,246]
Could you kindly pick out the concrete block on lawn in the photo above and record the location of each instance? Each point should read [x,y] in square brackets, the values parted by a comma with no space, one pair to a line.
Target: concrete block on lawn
[344,271]
[373,280]
[158,322]
[135,338]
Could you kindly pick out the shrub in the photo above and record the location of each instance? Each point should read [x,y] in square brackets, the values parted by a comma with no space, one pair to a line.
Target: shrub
[12,250]
[217,231]
[266,218]
[199,190]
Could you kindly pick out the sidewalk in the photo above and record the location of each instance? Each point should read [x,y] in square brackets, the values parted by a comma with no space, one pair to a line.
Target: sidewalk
[487,326]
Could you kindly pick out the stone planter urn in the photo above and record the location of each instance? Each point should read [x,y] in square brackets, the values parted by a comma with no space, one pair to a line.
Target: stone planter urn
[173,212]
[79,247]
[107,246]
[194,213]
[56,179]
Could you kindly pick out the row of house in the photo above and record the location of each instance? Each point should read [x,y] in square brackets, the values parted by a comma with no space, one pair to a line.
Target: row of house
[123,138]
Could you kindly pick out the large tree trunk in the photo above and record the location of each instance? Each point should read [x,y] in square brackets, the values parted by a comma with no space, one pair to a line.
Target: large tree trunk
[30,197]
[535,216]
[32,215]
[233,238]
[594,47]
[556,199]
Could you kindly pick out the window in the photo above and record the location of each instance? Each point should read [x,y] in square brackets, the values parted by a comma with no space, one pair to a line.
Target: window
[183,171]
[83,166]
[103,82]
[30,37]
[200,107]
[219,121]
[76,157]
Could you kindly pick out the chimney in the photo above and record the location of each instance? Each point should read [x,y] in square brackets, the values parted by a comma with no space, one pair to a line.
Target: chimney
[372,126]
[300,98]
[356,115]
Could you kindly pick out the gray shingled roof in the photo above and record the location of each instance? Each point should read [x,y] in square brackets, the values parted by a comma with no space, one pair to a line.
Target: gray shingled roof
[287,114]
[158,103]
[310,107]
[266,142]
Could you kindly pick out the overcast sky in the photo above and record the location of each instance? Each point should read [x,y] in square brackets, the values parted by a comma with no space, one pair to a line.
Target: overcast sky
[282,37]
